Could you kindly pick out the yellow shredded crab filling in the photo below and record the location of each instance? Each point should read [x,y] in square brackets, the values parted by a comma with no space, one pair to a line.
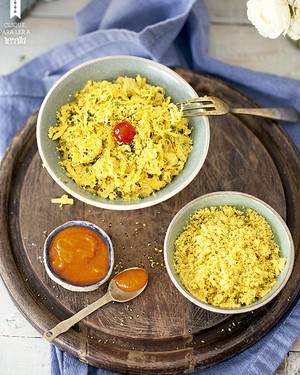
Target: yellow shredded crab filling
[96,161]
[226,257]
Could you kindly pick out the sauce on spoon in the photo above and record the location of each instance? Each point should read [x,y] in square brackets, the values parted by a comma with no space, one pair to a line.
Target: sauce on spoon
[131,279]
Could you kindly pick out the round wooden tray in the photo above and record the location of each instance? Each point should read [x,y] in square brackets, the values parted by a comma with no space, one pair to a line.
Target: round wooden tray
[160,331]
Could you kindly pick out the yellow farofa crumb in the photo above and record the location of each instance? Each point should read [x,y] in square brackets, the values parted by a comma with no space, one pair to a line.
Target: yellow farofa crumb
[64,199]
[227,258]
[94,159]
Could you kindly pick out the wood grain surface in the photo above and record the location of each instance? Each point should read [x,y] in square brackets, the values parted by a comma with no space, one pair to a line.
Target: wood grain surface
[160,331]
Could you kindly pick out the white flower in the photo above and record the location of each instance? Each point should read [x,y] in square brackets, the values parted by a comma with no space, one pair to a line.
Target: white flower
[270,17]
[294,29]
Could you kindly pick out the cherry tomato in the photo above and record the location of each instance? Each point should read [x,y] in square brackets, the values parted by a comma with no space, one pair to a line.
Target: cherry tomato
[124,132]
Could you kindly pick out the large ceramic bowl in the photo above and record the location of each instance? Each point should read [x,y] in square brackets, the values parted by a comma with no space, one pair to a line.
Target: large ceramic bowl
[242,202]
[110,68]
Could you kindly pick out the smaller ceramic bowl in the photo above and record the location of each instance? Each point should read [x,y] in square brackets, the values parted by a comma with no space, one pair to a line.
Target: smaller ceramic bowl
[67,284]
[242,202]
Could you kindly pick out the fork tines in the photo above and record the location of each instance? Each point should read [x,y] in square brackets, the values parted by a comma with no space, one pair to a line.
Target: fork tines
[196,104]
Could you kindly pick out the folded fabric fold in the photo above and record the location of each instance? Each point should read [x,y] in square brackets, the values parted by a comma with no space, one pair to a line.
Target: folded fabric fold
[174,33]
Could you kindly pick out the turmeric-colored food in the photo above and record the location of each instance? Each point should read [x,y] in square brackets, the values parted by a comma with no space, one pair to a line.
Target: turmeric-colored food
[122,139]
[226,257]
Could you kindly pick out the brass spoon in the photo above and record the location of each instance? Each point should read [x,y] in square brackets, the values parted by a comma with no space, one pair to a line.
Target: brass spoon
[114,293]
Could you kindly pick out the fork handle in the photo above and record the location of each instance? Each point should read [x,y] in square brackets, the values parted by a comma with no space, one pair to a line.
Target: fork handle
[280,113]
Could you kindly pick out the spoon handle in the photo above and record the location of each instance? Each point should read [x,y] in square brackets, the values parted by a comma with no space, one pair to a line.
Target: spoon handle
[65,325]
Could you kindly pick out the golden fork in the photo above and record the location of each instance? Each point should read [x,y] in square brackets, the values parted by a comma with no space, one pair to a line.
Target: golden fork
[210,105]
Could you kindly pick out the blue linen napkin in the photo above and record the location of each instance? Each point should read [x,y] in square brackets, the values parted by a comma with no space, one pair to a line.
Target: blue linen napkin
[174,33]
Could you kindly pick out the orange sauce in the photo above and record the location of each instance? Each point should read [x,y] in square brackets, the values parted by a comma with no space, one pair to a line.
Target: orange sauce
[79,255]
[131,280]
